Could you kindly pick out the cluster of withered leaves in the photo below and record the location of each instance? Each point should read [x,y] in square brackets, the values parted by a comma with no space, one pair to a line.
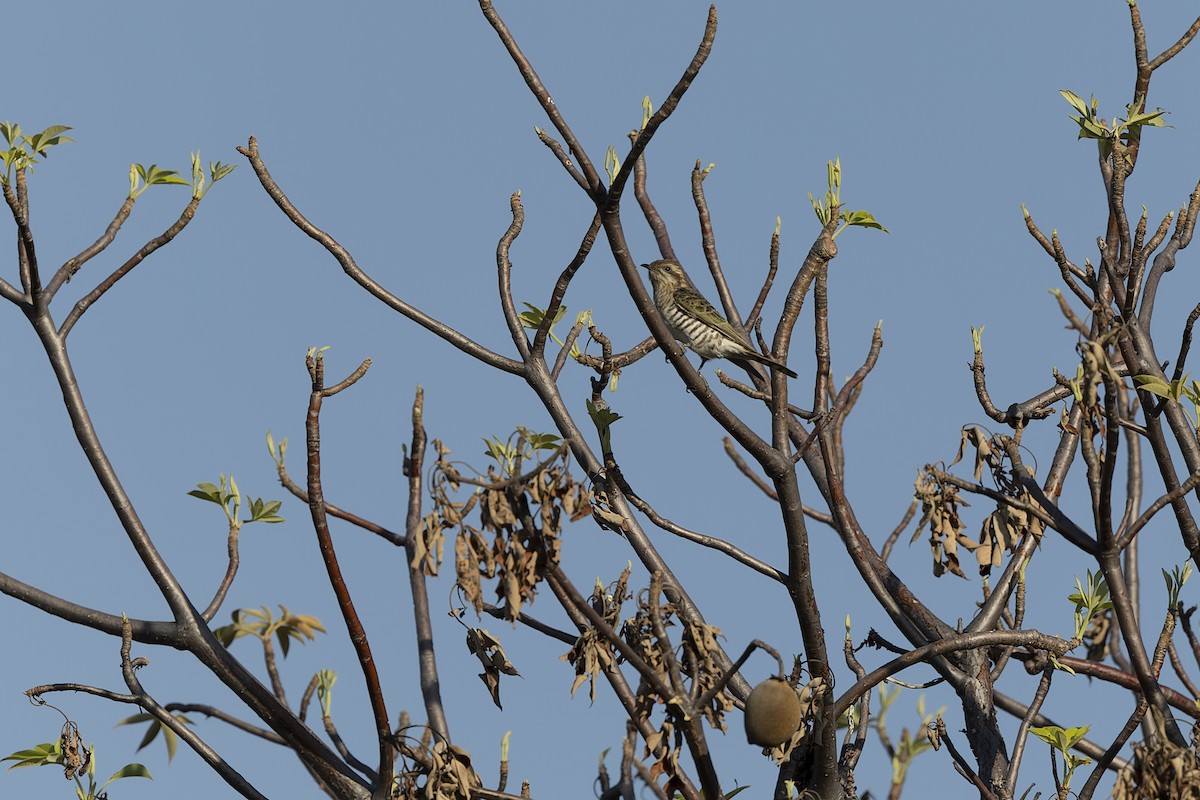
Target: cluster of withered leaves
[1161,770]
[445,774]
[75,754]
[939,510]
[518,534]
[647,632]
[491,656]
[1001,530]
[519,529]
[695,662]
[592,654]
[700,663]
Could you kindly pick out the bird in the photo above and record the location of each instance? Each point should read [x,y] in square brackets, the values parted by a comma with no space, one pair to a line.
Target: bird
[693,320]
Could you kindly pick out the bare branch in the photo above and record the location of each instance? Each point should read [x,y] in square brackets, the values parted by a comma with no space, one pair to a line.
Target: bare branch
[230,573]
[657,226]
[316,504]
[504,270]
[216,713]
[74,264]
[360,277]
[591,178]
[427,657]
[952,644]
[129,667]
[149,247]
[334,511]
[560,287]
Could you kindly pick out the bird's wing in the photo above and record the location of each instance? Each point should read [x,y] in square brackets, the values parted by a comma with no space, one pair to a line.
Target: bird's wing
[694,305]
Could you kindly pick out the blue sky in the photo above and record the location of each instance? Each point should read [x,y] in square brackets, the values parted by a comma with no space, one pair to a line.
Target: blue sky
[402,131]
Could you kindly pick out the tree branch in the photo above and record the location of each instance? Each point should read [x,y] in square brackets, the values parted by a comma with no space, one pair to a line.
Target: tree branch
[360,277]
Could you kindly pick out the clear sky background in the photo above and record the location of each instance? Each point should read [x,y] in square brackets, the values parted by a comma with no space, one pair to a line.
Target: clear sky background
[402,129]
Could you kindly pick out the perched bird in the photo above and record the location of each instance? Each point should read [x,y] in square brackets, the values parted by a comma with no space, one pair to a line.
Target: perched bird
[693,320]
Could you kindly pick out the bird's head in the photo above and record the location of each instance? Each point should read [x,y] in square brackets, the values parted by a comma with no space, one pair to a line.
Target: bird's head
[666,274]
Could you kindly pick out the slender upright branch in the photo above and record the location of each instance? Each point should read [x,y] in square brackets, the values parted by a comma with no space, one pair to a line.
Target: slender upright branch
[594,186]
[316,504]
[560,286]
[427,656]
[230,573]
[504,270]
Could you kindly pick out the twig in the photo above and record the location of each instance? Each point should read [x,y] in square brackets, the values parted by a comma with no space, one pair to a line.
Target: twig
[340,745]
[351,268]
[504,271]
[427,657]
[711,542]
[653,219]
[709,243]
[560,286]
[335,511]
[230,573]
[149,247]
[591,178]
[886,551]
[73,265]
[758,394]
[964,768]
[953,644]
[1035,705]
[316,504]
[216,713]
[745,469]
[129,667]
[772,268]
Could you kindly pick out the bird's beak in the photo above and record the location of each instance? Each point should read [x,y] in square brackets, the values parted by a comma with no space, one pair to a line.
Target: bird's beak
[645,266]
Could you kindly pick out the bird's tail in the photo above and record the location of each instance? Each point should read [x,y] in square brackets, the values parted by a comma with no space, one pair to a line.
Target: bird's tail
[760,358]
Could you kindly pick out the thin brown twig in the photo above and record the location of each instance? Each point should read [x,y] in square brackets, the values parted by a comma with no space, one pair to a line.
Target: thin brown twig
[563,157]
[712,542]
[129,668]
[886,551]
[758,394]
[230,573]
[964,767]
[351,268]
[72,265]
[340,745]
[504,273]
[708,242]
[1181,670]
[768,281]
[316,503]
[560,286]
[591,182]
[1177,48]
[229,719]
[653,218]
[1035,705]
[149,247]
[426,655]
[336,511]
